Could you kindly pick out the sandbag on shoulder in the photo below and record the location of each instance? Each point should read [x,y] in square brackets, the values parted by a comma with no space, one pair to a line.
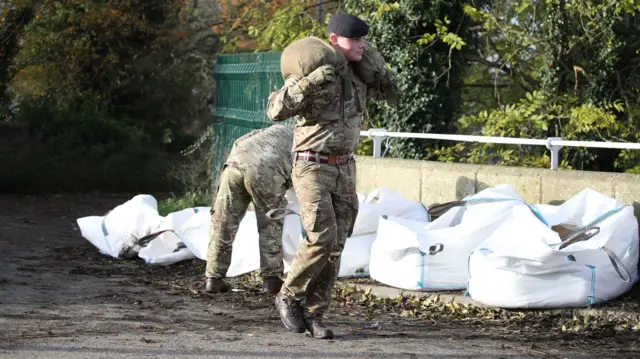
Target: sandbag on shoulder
[371,70]
[368,69]
[303,56]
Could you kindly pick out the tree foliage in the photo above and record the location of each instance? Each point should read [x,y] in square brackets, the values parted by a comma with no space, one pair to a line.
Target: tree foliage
[263,25]
[15,16]
[140,60]
[530,69]
[93,82]
[428,44]
[559,69]
[531,117]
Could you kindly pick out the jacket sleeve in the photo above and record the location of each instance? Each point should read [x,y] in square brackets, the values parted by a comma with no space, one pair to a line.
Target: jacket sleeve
[290,99]
[386,88]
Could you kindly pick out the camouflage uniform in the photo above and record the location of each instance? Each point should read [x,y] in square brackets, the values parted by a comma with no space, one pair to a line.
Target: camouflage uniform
[257,170]
[328,121]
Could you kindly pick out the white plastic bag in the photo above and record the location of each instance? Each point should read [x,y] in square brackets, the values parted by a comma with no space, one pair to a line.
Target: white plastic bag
[166,249]
[356,253]
[135,228]
[354,261]
[291,234]
[422,256]
[245,255]
[117,233]
[382,201]
[522,265]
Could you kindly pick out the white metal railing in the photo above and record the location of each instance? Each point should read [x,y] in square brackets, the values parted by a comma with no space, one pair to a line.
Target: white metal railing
[553,144]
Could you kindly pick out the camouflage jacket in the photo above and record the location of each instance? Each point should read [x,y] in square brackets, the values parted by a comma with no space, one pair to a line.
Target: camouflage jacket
[264,156]
[328,119]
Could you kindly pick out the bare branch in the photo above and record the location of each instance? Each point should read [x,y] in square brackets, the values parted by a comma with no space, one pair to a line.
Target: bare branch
[528,82]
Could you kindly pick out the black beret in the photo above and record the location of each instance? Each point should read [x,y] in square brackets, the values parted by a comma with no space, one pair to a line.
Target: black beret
[347,25]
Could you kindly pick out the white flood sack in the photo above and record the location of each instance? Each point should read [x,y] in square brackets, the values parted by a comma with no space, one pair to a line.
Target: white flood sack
[355,255]
[422,256]
[382,201]
[117,233]
[522,266]
[185,234]
[357,250]
[291,233]
[166,249]
[245,255]
[125,231]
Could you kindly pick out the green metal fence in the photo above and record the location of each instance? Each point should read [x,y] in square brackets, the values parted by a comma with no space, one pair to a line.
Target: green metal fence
[243,85]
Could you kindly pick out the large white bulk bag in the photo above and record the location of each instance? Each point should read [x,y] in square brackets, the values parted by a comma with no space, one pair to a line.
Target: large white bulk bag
[423,256]
[356,253]
[525,265]
[117,233]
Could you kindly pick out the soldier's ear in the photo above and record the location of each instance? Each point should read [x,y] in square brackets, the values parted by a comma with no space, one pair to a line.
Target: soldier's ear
[333,38]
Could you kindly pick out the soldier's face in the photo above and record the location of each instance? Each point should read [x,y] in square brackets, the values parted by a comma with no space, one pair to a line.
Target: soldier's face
[352,48]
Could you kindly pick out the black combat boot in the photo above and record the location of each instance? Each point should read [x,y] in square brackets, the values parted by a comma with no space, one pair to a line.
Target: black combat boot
[290,313]
[271,284]
[215,285]
[316,327]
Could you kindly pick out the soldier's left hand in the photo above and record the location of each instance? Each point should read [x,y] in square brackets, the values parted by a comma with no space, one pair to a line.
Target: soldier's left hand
[322,75]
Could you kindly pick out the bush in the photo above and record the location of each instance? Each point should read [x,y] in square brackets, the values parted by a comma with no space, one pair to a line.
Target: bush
[53,149]
[192,173]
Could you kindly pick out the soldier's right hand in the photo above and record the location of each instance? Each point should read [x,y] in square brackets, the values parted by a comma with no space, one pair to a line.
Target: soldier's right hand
[322,75]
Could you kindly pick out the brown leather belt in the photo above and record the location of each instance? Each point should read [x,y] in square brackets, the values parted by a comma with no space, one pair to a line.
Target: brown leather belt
[321,157]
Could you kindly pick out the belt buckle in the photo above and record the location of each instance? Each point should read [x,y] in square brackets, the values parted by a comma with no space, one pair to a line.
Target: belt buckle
[306,155]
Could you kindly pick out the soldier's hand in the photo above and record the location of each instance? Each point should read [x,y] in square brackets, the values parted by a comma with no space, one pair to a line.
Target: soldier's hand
[322,75]
[389,87]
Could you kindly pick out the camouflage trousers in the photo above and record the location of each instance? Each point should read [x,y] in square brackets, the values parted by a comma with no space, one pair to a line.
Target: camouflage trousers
[328,208]
[234,195]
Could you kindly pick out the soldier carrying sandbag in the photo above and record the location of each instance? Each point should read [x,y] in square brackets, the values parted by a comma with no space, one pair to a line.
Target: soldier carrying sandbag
[326,87]
[258,171]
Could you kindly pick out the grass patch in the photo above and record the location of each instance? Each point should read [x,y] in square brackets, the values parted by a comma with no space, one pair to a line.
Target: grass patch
[174,204]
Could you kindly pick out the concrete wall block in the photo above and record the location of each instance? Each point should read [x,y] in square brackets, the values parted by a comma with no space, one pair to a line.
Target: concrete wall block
[445,182]
[435,182]
[402,176]
[559,186]
[626,188]
[526,181]
[365,174]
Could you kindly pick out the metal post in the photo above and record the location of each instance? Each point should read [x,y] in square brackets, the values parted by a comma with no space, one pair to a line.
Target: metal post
[377,135]
[377,147]
[555,151]
[320,8]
